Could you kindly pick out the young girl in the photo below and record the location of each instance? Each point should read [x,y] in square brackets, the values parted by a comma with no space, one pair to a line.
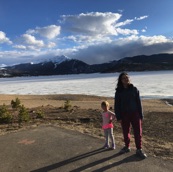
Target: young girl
[108,117]
[128,111]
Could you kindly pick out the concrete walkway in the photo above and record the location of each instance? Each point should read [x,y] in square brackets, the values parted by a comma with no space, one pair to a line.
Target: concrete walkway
[49,148]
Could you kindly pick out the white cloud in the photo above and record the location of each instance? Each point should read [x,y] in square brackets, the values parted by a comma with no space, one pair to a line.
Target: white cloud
[126,22]
[20,56]
[93,23]
[51,45]
[49,32]
[127,31]
[88,40]
[143,30]
[129,21]
[4,39]
[124,47]
[141,18]
[14,57]
[30,41]
[20,47]
[159,39]
[95,27]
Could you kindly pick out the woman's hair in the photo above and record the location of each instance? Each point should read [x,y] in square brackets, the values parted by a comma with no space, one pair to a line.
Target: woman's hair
[105,103]
[119,83]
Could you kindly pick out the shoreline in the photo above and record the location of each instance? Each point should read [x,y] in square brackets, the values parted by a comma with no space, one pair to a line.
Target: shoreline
[52,99]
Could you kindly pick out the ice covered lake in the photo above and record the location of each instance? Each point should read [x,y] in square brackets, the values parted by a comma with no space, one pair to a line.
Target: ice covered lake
[155,84]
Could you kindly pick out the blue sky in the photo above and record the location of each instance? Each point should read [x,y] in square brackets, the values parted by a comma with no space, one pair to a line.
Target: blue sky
[94,31]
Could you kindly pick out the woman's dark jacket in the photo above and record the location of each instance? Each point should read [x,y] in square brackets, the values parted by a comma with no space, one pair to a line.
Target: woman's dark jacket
[127,101]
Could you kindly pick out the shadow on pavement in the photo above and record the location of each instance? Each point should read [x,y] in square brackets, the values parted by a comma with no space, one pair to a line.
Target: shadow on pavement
[131,158]
[125,160]
[70,160]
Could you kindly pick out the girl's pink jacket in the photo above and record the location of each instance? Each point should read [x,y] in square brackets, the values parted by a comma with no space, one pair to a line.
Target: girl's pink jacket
[106,117]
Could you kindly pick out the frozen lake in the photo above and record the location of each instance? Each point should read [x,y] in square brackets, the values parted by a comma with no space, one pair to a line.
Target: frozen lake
[157,84]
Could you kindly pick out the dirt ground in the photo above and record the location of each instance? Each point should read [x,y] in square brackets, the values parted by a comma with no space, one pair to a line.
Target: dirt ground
[84,116]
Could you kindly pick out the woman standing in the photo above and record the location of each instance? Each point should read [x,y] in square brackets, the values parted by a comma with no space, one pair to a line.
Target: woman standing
[128,110]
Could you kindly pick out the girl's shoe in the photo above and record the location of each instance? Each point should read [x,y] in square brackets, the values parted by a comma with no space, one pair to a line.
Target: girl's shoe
[106,146]
[113,147]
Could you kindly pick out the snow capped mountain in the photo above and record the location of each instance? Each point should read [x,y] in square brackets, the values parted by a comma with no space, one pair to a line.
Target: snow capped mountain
[55,60]
[2,65]
[59,59]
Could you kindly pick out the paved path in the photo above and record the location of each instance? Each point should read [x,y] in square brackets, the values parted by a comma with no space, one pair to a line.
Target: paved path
[49,148]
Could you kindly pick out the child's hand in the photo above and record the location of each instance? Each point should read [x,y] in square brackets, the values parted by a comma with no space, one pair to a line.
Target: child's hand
[110,121]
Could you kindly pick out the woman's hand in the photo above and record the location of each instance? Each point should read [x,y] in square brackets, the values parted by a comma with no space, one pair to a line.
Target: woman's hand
[120,121]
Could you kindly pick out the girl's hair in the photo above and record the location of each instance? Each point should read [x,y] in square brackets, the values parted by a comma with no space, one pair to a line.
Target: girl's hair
[105,103]
[119,83]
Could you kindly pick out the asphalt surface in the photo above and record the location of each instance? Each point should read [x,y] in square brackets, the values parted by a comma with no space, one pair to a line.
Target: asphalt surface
[49,148]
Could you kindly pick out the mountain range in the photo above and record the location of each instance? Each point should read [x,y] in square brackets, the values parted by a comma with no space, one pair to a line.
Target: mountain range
[60,65]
